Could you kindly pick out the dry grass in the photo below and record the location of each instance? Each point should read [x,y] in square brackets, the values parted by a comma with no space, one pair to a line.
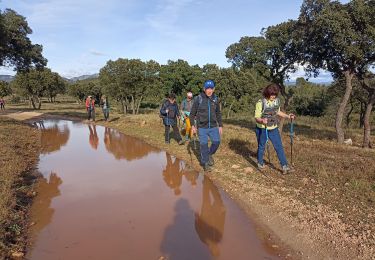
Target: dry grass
[19,152]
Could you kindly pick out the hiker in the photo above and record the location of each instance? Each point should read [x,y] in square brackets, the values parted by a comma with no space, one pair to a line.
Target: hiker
[90,107]
[170,113]
[2,104]
[105,107]
[267,111]
[185,108]
[206,111]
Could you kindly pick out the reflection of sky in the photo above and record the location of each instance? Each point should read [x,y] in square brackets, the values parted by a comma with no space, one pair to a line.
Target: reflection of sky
[108,206]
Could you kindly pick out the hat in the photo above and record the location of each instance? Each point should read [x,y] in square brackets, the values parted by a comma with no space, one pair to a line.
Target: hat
[208,84]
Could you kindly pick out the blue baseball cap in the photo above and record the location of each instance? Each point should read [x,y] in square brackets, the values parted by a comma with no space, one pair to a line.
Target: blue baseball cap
[209,84]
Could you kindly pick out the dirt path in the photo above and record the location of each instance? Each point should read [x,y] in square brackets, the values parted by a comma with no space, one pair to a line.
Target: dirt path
[21,116]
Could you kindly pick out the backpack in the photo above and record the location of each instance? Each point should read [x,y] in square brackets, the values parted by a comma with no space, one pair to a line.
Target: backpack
[200,100]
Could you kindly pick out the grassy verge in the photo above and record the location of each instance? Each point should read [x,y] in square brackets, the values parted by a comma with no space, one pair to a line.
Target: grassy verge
[19,151]
[324,209]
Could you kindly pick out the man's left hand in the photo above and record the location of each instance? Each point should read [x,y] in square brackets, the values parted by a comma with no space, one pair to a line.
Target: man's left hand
[220,130]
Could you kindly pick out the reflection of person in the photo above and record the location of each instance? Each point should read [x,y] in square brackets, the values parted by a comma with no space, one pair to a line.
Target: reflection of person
[191,176]
[172,174]
[105,107]
[206,111]
[170,113]
[267,111]
[90,107]
[107,138]
[93,138]
[209,224]
[185,108]
[48,189]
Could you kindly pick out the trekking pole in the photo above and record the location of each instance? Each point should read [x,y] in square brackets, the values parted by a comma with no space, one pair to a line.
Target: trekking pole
[168,125]
[291,140]
[268,146]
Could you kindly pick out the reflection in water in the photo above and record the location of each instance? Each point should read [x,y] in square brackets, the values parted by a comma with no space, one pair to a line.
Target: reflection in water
[191,176]
[53,137]
[93,138]
[180,241]
[125,147]
[47,190]
[209,224]
[172,174]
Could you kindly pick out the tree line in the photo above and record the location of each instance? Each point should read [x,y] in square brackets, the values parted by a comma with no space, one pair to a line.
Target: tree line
[327,35]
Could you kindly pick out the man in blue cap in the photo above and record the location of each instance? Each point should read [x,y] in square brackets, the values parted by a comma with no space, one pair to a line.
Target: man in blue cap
[206,111]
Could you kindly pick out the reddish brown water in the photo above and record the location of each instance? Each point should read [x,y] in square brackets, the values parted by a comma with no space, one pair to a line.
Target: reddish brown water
[109,196]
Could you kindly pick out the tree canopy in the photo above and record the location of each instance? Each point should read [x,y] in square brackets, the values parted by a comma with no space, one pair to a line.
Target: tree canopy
[16,48]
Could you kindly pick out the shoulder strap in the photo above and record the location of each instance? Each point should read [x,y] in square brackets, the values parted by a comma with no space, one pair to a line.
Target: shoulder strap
[263,104]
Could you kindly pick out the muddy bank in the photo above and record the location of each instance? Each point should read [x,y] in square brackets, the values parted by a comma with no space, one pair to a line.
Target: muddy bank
[19,152]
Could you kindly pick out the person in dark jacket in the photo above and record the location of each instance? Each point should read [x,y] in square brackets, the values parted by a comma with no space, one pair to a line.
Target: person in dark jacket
[170,113]
[206,111]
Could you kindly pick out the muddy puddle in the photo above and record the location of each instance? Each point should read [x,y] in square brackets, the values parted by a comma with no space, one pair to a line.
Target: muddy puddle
[105,195]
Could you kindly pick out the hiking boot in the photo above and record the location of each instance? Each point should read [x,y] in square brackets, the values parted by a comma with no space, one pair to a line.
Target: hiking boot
[211,161]
[287,169]
[167,142]
[261,167]
[207,167]
[181,142]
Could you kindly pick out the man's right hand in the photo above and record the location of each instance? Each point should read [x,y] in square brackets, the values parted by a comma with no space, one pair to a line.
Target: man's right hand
[193,129]
[264,121]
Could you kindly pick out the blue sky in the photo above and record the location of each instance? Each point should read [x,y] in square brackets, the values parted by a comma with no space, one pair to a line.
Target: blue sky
[80,36]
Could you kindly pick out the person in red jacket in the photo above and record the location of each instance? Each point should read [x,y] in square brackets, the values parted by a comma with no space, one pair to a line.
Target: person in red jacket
[90,107]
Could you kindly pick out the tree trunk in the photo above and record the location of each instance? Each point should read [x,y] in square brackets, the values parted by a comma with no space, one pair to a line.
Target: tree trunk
[139,104]
[288,98]
[362,115]
[133,104]
[32,102]
[230,109]
[340,112]
[366,120]
[349,114]
[123,104]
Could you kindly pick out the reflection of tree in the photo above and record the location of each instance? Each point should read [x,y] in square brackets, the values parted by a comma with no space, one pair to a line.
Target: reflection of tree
[47,190]
[209,224]
[172,174]
[125,147]
[93,138]
[53,138]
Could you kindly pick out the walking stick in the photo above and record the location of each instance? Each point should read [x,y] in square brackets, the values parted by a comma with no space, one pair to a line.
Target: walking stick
[168,125]
[291,140]
[268,145]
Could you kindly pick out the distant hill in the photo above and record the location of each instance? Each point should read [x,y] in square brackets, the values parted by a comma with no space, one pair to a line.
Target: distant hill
[83,77]
[6,78]
[9,78]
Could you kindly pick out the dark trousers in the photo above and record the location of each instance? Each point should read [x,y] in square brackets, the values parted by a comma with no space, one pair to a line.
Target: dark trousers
[90,114]
[176,133]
